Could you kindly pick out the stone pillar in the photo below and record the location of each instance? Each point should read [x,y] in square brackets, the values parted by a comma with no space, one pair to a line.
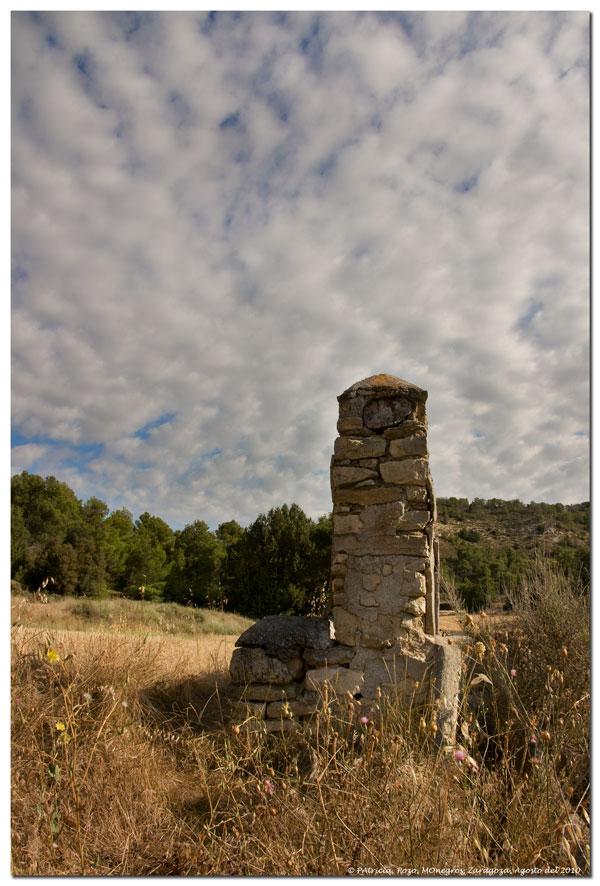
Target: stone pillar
[384,575]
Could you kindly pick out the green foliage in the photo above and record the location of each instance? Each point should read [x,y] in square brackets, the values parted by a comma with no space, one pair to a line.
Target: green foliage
[116,541]
[195,576]
[279,564]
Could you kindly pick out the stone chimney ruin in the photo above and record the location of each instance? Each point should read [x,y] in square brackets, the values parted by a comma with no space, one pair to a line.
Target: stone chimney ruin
[382,633]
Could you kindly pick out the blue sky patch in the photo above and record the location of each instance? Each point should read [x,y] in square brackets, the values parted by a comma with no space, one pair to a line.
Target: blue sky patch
[144,432]
[466,185]
[524,323]
[231,121]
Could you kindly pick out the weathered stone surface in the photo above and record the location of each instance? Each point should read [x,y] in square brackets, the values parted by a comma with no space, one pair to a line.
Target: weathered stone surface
[414,606]
[255,666]
[346,626]
[386,629]
[409,471]
[375,565]
[345,523]
[341,680]
[385,412]
[371,582]
[336,655]
[414,519]
[416,494]
[382,520]
[285,635]
[344,476]
[411,544]
[382,383]
[447,663]
[359,447]
[373,494]
[368,600]
[372,463]
[244,710]
[281,725]
[351,425]
[406,429]
[297,708]
[408,446]
[382,671]
[267,692]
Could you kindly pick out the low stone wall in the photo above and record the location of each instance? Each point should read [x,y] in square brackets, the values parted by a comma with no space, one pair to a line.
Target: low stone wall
[285,667]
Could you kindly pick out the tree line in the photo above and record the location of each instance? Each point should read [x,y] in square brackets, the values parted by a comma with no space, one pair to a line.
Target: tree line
[279,563]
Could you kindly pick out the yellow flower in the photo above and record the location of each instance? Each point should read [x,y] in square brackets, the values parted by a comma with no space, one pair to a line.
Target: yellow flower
[480,650]
[60,726]
[52,655]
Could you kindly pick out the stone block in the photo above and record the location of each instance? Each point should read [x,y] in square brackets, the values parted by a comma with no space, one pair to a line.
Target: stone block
[414,519]
[245,710]
[341,680]
[416,494]
[387,629]
[346,626]
[337,655]
[249,665]
[410,544]
[394,665]
[351,425]
[359,447]
[447,664]
[347,523]
[385,412]
[370,495]
[414,605]
[267,692]
[408,446]
[381,520]
[406,429]
[285,635]
[413,584]
[297,708]
[408,472]
[280,726]
[368,600]
[344,476]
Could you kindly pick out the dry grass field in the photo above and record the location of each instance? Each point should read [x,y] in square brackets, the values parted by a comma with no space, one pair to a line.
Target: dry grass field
[123,762]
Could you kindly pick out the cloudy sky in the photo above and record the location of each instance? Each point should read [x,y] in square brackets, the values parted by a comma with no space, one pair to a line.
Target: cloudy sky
[221,221]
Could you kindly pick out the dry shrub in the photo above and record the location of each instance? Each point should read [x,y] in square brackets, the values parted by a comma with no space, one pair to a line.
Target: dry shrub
[159,785]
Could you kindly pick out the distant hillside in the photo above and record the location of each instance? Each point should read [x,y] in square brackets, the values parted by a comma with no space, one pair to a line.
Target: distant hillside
[487,545]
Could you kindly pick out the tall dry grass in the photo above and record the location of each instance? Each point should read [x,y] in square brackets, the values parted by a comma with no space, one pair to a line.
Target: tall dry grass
[122,765]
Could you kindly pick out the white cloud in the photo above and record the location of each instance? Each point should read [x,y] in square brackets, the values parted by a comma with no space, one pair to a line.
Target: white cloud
[228,222]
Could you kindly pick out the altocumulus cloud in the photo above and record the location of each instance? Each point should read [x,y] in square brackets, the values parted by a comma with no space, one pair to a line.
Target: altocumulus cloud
[220,221]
